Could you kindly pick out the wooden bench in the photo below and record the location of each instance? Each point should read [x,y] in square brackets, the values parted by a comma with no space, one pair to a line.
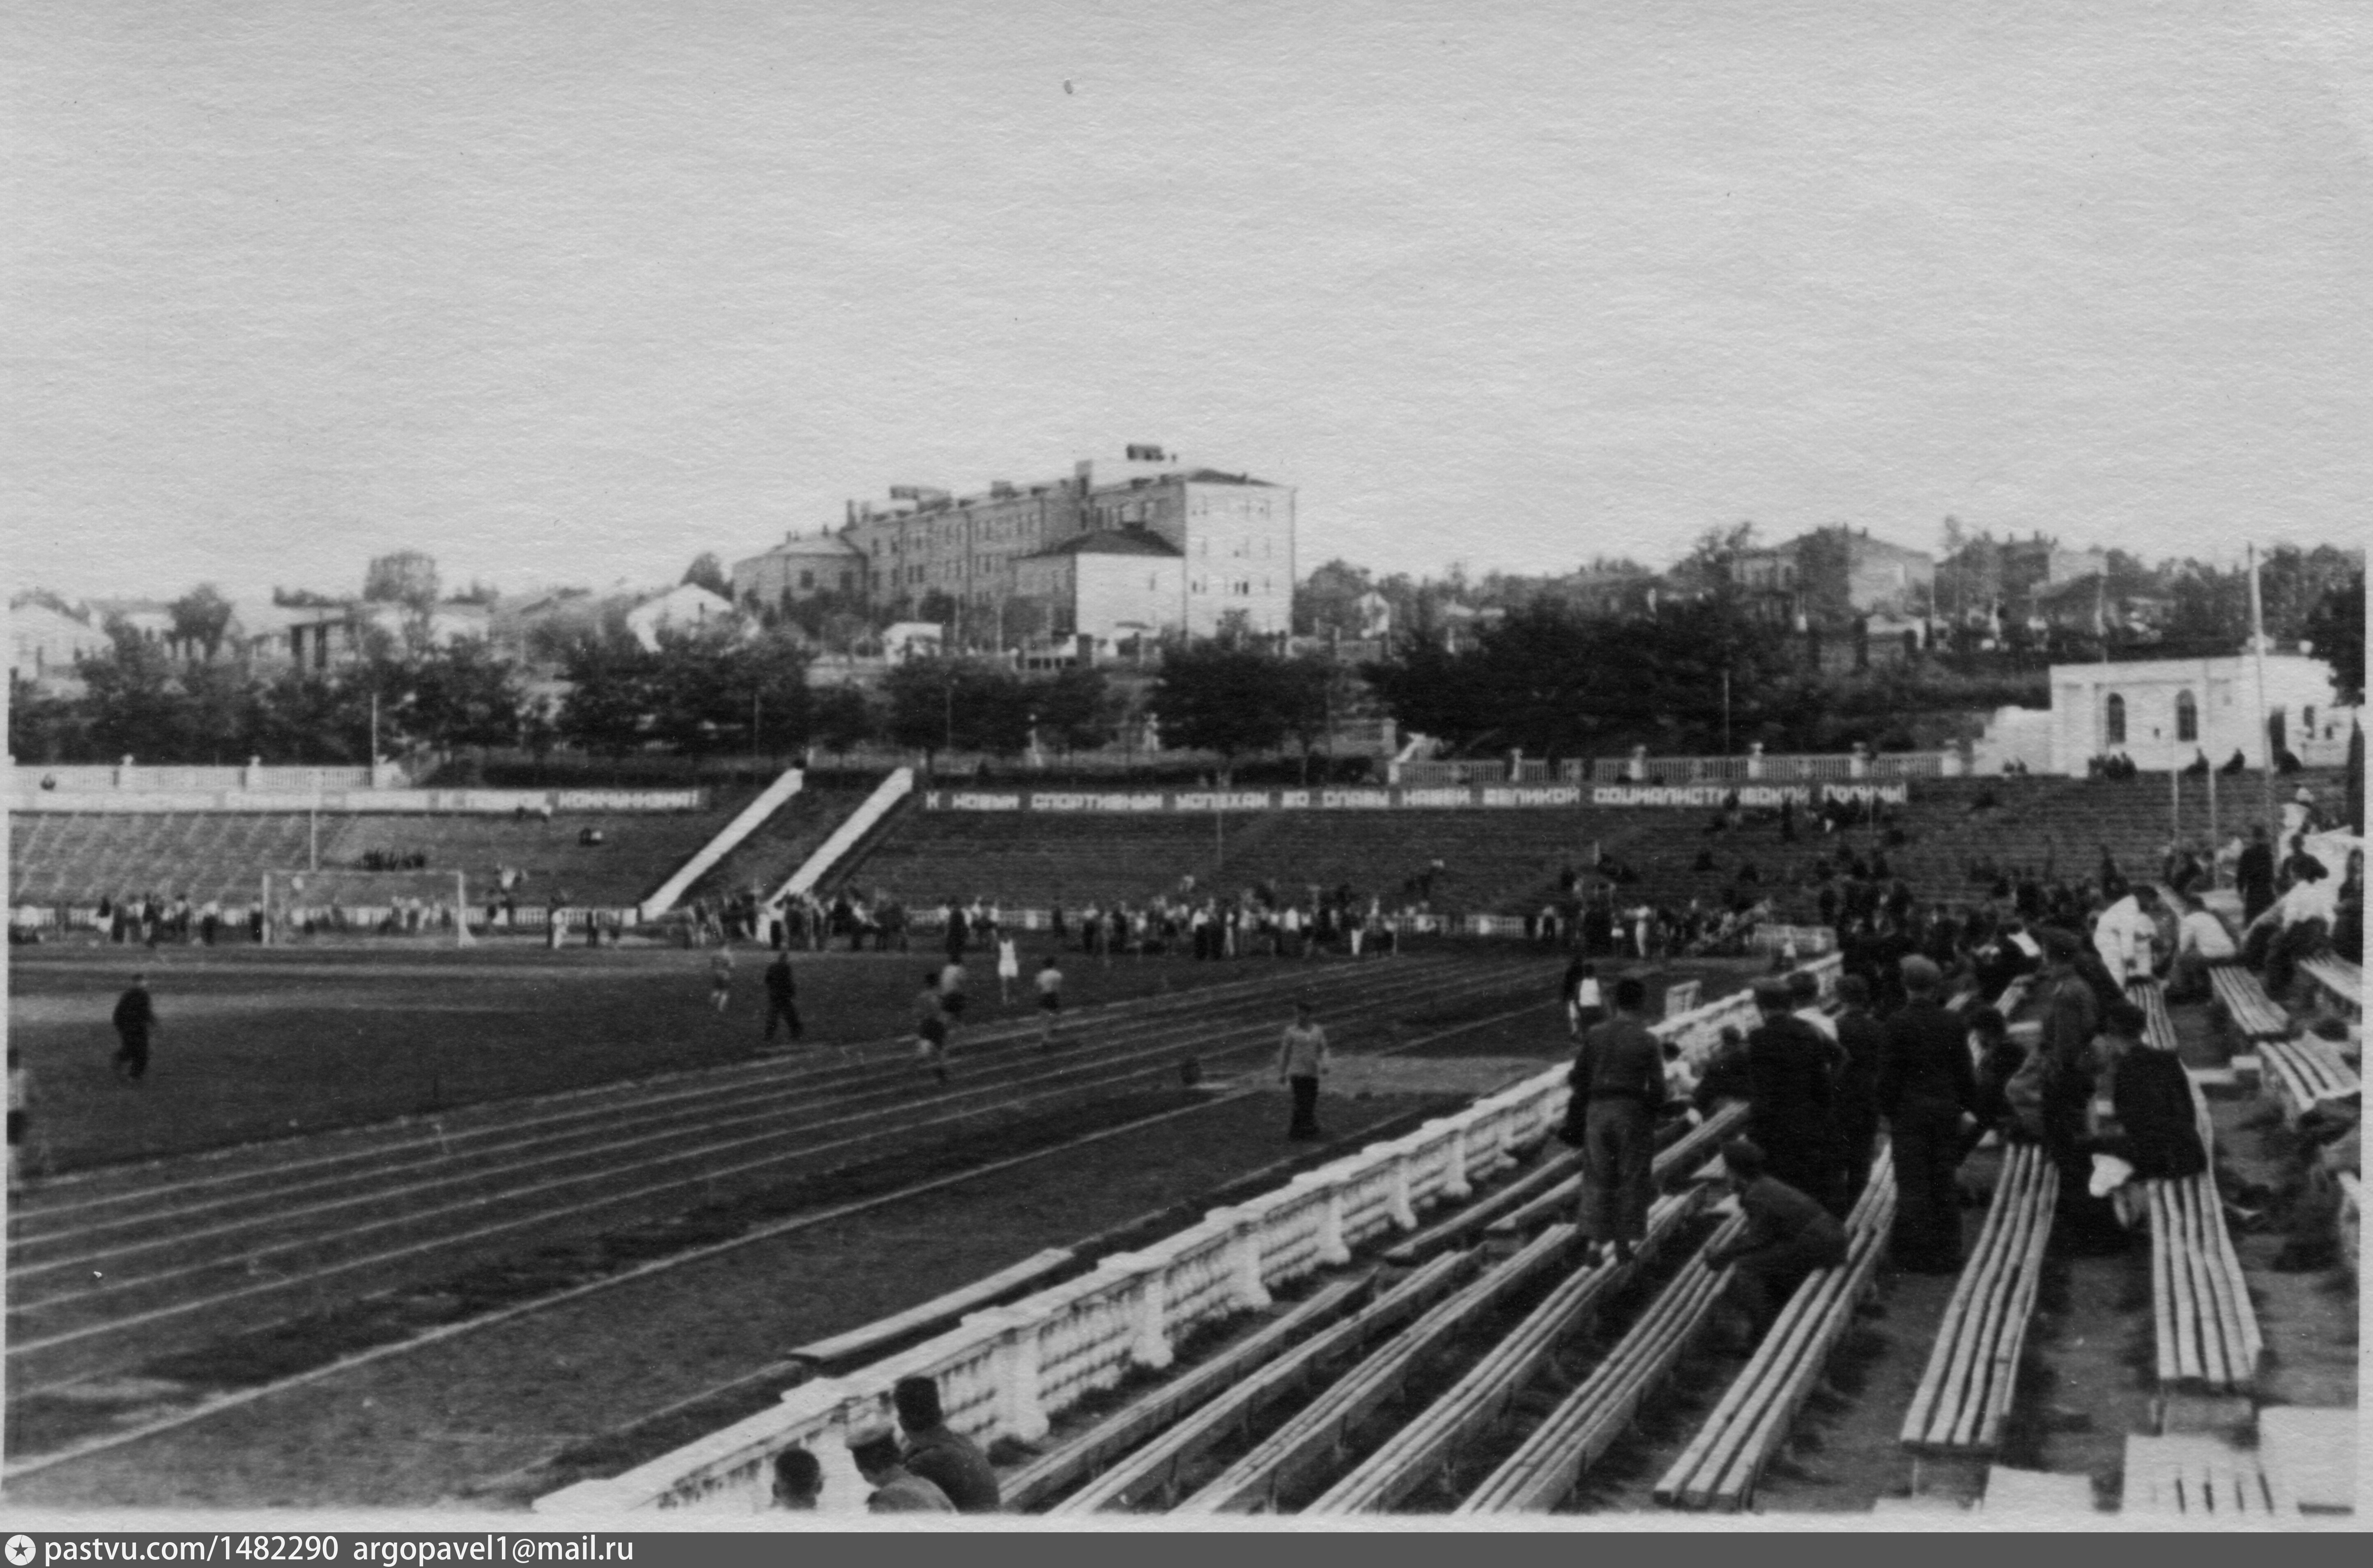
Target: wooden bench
[2208,1342]
[1677,1162]
[1484,1396]
[2304,1071]
[1738,1441]
[2200,1480]
[1545,1466]
[2158,1024]
[918,1323]
[1955,1426]
[2337,982]
[1155,1471]
[2252,1014]
[1293,1454]
[1124,1429]
[1554,1168]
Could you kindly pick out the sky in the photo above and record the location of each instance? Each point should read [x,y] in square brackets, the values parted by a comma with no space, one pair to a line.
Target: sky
[572,293]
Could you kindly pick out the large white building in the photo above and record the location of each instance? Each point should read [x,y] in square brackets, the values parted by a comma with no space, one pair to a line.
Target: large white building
[2166,713]
[1228,539]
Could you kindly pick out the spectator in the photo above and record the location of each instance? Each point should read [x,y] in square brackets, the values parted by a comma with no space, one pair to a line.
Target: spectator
[1787,1236]
[1789,1064]
[2294,927]
[799,1481]
[2254,874]
[2201,943]
[1727,1076]
[782,998]
[1860,1041]
[875,1451]
[136,1020]
[2126,935]
[937,1455]
[1300,1062]
[1579,991]
[1009,967]
[1619,1084]
[1927,1094]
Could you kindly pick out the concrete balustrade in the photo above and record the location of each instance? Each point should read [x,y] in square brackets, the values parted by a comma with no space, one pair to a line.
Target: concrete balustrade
[1010,1370]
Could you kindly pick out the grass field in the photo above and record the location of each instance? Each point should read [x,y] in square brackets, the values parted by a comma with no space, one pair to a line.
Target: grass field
[260,1043]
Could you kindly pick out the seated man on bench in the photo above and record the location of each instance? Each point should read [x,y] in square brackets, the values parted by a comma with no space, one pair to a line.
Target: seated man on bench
[2293,927]
[1787,1237]
[2201,943]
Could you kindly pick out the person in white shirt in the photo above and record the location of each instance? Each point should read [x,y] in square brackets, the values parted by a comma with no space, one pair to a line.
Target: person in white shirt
[1008,968]
[2200,942]
[2125,933]
[2293,926]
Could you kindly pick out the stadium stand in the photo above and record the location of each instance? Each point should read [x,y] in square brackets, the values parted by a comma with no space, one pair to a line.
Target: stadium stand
[2252,1014]
[775,850]
[76,858]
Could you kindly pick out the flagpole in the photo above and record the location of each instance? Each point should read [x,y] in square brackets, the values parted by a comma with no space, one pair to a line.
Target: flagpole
[2265,733]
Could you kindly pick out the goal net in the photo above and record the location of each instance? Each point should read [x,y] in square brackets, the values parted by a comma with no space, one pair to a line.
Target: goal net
[429,904]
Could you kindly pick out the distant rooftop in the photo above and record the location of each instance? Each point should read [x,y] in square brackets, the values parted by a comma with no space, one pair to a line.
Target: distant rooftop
[1109,542]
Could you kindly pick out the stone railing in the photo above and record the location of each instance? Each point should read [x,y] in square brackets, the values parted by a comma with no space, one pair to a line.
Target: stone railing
[1754,767]
[130,779]
[1008,1371]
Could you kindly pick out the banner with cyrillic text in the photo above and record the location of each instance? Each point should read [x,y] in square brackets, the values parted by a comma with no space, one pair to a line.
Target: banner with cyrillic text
[1410,798]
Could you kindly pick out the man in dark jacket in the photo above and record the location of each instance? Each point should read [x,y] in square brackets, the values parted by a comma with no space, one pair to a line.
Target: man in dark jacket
[1789,1062]
[952,1463]
[136,1019]
[2255,874]
[1619,1076]
[1786,1237]
[1861,1045]
[782,997]
[1928,1093]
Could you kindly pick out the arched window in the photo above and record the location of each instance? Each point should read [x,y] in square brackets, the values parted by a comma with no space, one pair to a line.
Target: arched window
[2114,720]
[2187,717]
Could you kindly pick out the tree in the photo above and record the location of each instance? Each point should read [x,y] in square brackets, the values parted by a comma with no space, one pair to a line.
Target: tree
[707,571]
[1233,701]
[2336,631]
[610,678]
[1328,600]
[200,619]
[842,719]
[1075,708]
[458,695]
[408,578]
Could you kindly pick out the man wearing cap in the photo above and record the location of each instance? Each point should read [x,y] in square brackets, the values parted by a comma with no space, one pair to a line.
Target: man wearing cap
[1928,1094]
[2072,1016]
[1619,1077]
[947,1460]
[1786,1237]
[873,1448]
[1789,1064]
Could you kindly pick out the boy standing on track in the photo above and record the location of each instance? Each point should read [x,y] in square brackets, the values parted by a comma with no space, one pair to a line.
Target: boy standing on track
[136,1016]
[721,979]
[1300,1062]
[1050,1001]
[932,1028]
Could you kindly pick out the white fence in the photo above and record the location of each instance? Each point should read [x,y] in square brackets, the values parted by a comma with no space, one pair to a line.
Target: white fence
[1755,767]
[1008,1371]
[86,780]
[771,799]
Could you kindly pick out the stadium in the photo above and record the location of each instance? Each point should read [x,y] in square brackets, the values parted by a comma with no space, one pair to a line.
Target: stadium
[458,1170]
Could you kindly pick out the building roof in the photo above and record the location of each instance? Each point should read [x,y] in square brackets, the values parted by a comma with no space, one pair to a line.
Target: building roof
[1213,476]
[807,544]
[1110,542]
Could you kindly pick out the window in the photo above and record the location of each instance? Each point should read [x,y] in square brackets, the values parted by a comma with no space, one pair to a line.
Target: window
[2114,720]
[2187,717]
[806,581]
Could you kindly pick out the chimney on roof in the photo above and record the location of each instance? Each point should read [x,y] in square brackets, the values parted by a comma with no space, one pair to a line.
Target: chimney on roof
[1083,474]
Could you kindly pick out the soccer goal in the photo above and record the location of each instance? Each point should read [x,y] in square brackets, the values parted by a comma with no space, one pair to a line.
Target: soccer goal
[433,905]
